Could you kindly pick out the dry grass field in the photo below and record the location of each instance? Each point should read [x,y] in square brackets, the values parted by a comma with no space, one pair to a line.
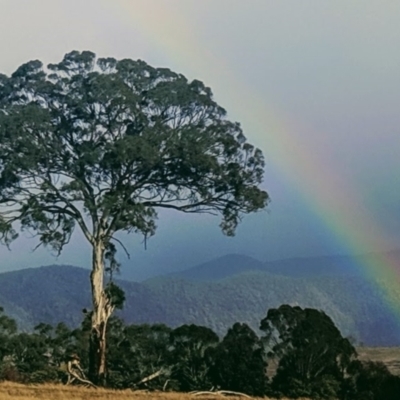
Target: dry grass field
[14,391]
[390,356]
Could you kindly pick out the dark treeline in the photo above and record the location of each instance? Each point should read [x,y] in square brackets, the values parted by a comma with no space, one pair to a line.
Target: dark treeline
[312,358]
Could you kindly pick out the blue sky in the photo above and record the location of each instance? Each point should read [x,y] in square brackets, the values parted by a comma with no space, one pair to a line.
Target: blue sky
[331,69]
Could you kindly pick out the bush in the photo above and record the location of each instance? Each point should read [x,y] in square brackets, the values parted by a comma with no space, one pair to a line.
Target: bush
[390,389]
[9,372]
[370,381]
[43,376]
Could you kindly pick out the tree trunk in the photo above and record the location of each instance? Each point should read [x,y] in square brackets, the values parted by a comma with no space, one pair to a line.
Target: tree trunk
[100,315]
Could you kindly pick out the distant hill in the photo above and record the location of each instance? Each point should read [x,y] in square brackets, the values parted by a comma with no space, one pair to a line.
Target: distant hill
[59,293]
[46,294]
[216,294]
[220,268]
[305,267]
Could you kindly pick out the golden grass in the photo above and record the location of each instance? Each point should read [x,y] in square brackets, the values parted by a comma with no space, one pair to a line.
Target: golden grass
[16,391]
[390,356]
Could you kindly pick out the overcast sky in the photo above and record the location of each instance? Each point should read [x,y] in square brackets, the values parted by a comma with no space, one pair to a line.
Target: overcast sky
[315,84]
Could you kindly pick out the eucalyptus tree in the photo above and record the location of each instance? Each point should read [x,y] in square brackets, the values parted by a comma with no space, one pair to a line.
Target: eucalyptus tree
[313,356]
[102,144]
[192,350]
[240,363]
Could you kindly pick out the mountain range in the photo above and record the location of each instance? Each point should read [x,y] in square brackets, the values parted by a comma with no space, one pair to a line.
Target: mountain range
[216,294]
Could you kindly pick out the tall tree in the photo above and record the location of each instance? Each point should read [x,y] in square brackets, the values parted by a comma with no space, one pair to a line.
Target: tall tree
[240,363]
[102,144]
[313,355]
[192,356]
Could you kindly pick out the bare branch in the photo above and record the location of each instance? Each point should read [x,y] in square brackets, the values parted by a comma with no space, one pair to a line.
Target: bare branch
[190,209]
[122,245]
[73,212]
[152,376]
[221,392]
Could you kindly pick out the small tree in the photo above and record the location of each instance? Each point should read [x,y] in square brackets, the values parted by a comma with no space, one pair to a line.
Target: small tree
[103,144]
[8,329]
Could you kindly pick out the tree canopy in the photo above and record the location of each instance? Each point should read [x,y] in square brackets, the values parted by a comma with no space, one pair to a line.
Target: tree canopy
[106,142]
[313,356]
[240,364]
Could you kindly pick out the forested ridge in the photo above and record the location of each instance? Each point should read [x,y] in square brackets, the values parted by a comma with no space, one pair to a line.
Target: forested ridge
[43,294]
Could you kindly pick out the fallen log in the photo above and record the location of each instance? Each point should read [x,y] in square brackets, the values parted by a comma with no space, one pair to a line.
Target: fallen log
[221,393]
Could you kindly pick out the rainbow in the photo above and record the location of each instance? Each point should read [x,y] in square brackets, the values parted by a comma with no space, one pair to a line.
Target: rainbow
[331,196]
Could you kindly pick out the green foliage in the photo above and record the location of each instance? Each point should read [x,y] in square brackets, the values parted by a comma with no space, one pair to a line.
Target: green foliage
[7,325]
[111,141]
[192,355]
[136,351]
[8,328]
[240,363]
[115,294]
[371,381]
[36,357]
[313,355]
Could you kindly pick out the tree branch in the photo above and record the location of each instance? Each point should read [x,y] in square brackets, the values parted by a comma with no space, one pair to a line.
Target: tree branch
[122,245]
[185,208]
[73,212]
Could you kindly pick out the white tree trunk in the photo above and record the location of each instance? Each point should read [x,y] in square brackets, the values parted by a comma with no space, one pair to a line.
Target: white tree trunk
[101,313]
